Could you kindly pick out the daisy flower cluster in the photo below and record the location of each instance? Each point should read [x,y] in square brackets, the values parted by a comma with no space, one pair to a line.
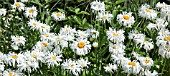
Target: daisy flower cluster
[48,49]
[139,66]
[146,12]
[99,8]
[71,50]
[141,40]
[164,10]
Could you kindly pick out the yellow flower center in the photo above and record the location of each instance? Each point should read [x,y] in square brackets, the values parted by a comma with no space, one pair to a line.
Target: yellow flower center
[27,63]
[72,65]
[58,38]
[46,35]
[10,74]
[114,47]
[104,17]
[17,4]
[31,11]
[81,34]
[132,63]
[34,24]
[44,44]
[81,44]
[18,39]
[147,10]
[53,57]
[147,61]
[167,38]
[42,26]
[58,14]
[15,56]
[67,30]
[34,55]
[115,34]
[163,32]
[126,17]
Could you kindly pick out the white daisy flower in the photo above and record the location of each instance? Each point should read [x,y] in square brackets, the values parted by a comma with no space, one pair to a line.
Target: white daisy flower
[34,56]
[82,34]
[24,0]
[160,24]
[18,40]
[59,41]
[81,46]
[164,8]
[58,16]
[104,16]
[97,6]
[164,51]
[116,48]
[13,58]
[149,73]
[147,44]
[146,62]
[2,66]
[43,46]
[134,34]
[115,36]
[33,24]
[131,67]
[18,5]
[136,55]
[67,30]
[126,19]
[163,32]
[31,12]
[53,59]
[163,39]
[9,72]
[72,66]
[119,59]
[43,28]
[3,12]
[2,57]
[146,12]
[140,40]
[110,68]
[15,47]
[95,44]
[161,5]
[27,66]
[93,33]
[83,63]
[47,36]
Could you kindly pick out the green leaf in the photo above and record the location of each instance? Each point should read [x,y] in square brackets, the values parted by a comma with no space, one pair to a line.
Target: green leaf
[84,12]
[77,10]
[120,1]
[71,9]
[47,20]
[77,20]
[37,2]
[84,21]
[61,10]
[47,1]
